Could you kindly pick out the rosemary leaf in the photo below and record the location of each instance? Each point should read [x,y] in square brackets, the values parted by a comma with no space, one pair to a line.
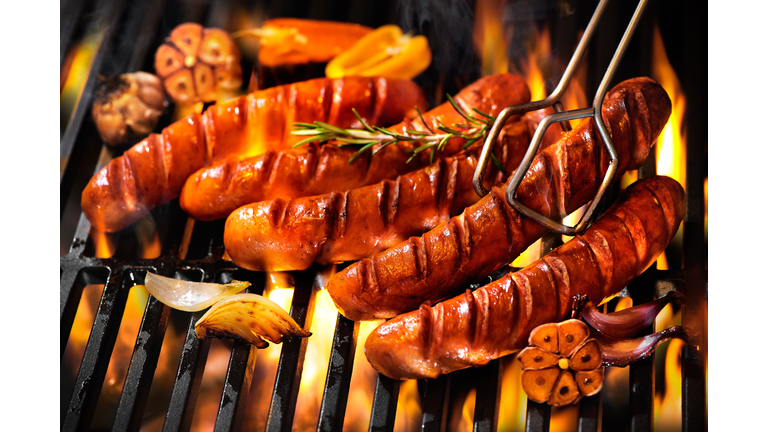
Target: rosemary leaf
[441,145]
[461,111]
[305,125]
[498,164]
[422,148]
[415,132]
[383,144]
[306,132]
[489,117]
[319,138]
[362,122]
[332,128]
[353,141]
[424,122]
[470,142]
[390,133]
[362,150]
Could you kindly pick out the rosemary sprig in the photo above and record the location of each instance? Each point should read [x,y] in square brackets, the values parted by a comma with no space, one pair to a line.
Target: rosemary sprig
[475,128]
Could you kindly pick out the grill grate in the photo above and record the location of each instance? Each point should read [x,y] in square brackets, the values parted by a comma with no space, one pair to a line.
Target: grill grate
[131,30]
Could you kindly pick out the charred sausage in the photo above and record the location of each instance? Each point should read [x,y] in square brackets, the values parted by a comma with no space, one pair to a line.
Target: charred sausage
[490,233]
[153,171]
[292,234]
[214,192]
[471,329]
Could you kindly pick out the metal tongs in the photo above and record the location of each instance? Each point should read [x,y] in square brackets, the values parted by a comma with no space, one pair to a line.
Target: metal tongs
[561,116]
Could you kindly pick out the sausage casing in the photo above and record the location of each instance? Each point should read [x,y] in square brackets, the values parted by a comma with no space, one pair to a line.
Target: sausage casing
[490,233]
[153,171]
[495,320]
[215,192]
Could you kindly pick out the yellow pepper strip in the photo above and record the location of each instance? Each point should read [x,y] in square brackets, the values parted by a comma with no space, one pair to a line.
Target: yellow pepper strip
[385,52]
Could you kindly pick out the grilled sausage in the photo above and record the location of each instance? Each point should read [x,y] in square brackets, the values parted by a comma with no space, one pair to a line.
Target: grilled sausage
[490,233]
[495,320]
[214,192]
[153,171]
[292,234]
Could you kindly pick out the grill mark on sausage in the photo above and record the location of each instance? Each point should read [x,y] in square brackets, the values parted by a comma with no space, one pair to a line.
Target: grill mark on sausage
[383,202]
[337,215]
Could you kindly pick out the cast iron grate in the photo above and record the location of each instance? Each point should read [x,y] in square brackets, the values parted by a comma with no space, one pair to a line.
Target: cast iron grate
[131,32]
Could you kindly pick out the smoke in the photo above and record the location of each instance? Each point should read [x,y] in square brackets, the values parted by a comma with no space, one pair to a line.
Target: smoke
[447,24]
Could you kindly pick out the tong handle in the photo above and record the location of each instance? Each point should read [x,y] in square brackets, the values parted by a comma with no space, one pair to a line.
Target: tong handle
[595,112]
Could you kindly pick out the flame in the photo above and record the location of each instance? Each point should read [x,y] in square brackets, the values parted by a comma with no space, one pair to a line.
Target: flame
[363,382]
[75,73]
[81,326]
[408,414]
[488,37]
[671,145]
[316,363]
[531,70]
[513,398]
[668,408]
[706,209]
[529,255]
[105,244]
[564,419]
[467,412]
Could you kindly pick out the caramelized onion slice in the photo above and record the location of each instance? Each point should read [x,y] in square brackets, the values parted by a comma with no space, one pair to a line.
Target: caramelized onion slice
[190,296]
[250,317]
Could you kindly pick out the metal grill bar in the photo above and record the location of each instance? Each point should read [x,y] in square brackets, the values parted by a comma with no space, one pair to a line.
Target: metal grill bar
[337,381]
[146,24]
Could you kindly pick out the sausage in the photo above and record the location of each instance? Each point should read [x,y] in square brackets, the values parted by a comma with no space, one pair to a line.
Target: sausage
[292,234]
[153,171]
[490,233]
[213,193]
[473,328]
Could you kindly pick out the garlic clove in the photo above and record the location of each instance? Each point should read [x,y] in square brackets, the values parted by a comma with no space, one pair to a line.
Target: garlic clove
[538,384]
[590,382]
[545,337]
[571,333]
[189,296]
[565,391]
[534,358]
[588,356]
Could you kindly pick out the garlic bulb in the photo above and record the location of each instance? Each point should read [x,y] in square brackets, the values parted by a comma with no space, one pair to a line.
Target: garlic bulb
[127,107]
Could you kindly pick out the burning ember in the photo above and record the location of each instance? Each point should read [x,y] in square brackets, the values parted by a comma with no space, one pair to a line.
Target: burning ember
[167,241]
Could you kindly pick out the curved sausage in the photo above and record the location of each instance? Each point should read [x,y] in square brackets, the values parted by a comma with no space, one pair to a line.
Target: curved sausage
[213,193]
[153,171]
[292,234]
[490,233]
[471,329]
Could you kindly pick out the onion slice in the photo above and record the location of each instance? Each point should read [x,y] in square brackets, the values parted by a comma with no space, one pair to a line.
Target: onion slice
[250,317]
[190,296]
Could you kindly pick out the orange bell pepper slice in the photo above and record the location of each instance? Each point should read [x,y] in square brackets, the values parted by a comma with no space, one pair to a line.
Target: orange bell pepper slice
[385,52]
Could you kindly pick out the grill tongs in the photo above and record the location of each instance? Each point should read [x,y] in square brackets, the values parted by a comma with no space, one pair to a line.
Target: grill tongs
[561,116]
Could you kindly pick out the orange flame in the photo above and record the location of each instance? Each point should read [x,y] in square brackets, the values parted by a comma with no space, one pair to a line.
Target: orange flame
[512,398]
[467,412]
[671,145]
[408,414]
[488,37]
[670,148]
[105,244]
[668,408]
